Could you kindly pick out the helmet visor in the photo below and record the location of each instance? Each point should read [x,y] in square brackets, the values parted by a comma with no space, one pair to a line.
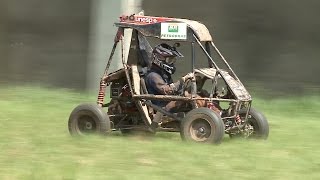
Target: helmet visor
[171,60]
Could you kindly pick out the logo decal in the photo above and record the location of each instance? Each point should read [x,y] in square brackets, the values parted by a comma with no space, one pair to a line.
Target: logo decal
[173,28]
[174,31]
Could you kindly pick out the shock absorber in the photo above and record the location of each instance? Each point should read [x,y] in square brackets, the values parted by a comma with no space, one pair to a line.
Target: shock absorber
[101,94]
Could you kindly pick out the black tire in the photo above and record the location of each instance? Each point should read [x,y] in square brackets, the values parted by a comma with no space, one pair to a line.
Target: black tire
[88,119]
[202,125]
[259,123]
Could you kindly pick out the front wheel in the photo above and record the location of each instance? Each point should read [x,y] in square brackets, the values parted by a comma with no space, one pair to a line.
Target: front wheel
[88,119]
[257,126]
[202,125]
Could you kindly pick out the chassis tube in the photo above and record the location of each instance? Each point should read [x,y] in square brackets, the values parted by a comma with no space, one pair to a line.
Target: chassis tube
[110,59]
[193,80]
[118,37]
[148,103]
[179,98]
[193,56]
[207,45]
[102,88]
[206,53]
[224,60]
[125,67]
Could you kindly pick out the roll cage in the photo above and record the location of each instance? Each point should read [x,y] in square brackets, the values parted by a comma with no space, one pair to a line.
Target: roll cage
[136,59]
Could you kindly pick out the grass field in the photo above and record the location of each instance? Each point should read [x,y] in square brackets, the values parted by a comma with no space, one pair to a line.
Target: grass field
[35,144]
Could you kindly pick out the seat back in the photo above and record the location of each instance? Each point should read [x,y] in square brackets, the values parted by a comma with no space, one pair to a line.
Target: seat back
[143,109]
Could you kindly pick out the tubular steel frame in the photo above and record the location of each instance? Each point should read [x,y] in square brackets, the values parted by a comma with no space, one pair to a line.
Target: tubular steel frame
[147,97]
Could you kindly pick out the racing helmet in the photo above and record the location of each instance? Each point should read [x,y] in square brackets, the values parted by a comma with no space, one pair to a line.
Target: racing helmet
[164,56]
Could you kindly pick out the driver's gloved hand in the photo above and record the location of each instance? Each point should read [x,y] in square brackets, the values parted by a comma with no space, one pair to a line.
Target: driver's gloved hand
[187,76]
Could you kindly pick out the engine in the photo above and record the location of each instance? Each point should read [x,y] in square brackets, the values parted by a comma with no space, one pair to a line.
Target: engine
[120,95]
[122,110]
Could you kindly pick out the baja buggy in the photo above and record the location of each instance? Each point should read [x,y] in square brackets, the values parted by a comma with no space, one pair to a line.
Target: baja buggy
[214,102]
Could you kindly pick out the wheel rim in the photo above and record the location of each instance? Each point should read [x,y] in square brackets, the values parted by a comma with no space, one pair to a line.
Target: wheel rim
[251,128]
[86,124]
[200,130]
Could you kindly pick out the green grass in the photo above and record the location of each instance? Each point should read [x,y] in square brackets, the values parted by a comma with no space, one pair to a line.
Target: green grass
[35,144]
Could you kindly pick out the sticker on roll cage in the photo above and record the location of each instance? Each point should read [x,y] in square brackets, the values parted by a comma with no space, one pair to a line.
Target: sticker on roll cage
[173,31]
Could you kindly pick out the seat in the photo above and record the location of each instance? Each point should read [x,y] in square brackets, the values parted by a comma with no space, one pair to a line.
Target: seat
[137,90]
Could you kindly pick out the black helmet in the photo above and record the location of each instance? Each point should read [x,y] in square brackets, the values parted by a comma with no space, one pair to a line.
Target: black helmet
[164,56]
[166,50]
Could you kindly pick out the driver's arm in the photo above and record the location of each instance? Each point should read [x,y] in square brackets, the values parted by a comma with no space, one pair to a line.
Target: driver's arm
[156,81]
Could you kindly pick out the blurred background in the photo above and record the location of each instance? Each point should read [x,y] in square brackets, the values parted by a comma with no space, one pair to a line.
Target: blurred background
[272,46]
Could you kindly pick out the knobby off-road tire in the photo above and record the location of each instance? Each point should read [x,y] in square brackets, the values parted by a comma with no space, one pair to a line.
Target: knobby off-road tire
[88,119]
[202,125]
[259,123]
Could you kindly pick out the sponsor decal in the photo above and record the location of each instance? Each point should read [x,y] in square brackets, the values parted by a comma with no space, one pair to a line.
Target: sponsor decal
[143,19]
[147,20]
[173,31]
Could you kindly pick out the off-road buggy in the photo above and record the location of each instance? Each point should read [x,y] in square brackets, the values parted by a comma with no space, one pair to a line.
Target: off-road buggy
[130,107]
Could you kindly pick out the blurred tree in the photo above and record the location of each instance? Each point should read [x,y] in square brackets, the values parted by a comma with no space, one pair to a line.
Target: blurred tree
[47,41]
[3,46]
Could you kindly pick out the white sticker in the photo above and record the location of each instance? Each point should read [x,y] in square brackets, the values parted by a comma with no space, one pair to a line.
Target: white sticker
[173,31]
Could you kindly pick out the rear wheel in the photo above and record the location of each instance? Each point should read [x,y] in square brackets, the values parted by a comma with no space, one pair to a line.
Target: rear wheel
[88,119]
[202,125]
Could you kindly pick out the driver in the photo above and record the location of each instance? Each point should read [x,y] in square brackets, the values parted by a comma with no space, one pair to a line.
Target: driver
[159,80]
